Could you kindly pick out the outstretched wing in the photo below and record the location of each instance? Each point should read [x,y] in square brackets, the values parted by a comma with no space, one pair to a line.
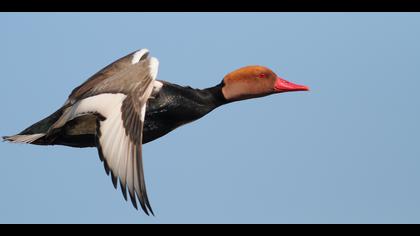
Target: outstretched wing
[120,126]
[120,142]
[120,145]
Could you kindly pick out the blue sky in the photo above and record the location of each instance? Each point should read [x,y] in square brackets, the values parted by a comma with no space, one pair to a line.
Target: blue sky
[345,152]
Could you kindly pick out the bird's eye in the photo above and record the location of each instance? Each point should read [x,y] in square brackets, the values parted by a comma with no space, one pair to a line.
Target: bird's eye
[262,75]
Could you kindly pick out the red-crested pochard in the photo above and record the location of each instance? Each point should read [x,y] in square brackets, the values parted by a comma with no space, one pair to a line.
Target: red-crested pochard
[123,106]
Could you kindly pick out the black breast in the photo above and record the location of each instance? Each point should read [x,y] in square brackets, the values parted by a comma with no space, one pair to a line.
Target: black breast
[173,106]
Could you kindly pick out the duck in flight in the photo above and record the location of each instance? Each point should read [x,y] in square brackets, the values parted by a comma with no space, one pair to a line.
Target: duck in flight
[123,106]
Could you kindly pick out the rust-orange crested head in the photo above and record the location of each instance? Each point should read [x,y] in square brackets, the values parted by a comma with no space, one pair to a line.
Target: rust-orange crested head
[255,81]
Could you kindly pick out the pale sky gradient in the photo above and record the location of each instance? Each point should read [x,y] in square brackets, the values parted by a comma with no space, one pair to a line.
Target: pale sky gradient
[345,152]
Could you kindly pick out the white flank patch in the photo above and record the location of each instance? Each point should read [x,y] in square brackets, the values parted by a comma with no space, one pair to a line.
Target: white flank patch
[154,66]
[103,104]
[138,55]
[157,85]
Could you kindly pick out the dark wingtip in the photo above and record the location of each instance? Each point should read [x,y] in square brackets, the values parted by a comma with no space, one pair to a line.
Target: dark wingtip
[114,180]
[135,205]
[146,199]
[143,207]
[106,167]
[123,190]
[151,211]
[133,201]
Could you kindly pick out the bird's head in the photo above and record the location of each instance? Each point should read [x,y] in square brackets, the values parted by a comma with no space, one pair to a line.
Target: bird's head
[255,81]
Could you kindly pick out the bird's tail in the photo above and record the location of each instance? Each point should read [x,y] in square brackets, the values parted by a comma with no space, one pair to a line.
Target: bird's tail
[36,133]
[23,138]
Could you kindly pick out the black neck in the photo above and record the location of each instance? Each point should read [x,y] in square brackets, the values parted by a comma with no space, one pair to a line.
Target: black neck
[194,102]
[214,95]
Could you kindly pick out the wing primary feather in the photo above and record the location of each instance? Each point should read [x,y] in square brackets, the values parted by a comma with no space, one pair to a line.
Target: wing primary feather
[133,199]
[123,190]
[106,167]
[114,179]
[137,179]
[120,153]
[98,136]
[141,179]
[99,147]
[123,169]
[101,156]
[143,183]
[143,188]
[130,178]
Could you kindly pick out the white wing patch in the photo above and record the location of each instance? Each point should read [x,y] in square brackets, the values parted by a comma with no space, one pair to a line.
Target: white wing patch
[157,86]
[122,156]
[115,147]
